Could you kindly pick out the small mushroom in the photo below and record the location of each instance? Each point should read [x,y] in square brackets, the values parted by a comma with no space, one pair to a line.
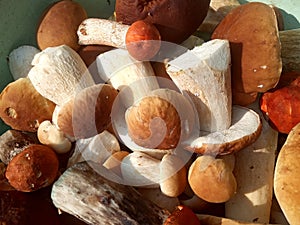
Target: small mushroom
[48,134]
[212,179]
[34,168]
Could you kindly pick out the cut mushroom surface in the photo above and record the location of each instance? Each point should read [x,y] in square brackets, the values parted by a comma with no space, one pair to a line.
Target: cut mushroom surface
[245,129]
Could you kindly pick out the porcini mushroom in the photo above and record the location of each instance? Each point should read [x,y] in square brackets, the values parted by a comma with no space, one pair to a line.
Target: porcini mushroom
[175,20]
[22,107]
[255,49]
[212,179]
[48,134]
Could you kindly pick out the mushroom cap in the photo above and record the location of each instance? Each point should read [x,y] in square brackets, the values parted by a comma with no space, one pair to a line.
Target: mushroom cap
[34,168]
[22,107]
[212,179]
[59,23]
[255,48]
[176,20]
[182,215]
[287,177]
[88,113]
[245,129]
[153,122]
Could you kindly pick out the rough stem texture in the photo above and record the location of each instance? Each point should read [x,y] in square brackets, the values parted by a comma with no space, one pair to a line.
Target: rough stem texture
[94,31]
[290,49]
[84,193]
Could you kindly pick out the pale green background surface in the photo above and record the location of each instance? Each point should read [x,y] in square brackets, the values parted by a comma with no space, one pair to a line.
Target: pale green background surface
[19,19]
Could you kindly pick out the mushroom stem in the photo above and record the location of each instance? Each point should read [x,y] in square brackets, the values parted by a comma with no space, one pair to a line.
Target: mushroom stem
[254,169]
[290,49]
[95,31]
[124,73]
[204,73]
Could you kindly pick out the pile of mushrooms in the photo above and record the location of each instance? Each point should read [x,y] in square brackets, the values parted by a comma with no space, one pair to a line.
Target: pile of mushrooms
[166,137]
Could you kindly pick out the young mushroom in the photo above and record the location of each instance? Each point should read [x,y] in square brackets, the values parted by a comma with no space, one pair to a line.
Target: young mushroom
[48,134]
[175,20]
[141,39]
[212,179]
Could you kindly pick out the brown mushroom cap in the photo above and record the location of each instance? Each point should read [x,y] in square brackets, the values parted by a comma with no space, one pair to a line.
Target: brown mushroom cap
[22,107]
[153,122]
[212,179]
[176,20]
[88,113]
[58,25]
[34,168]
[255,48]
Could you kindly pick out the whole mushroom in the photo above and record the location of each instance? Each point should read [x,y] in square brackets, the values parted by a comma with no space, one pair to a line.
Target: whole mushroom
[176,20]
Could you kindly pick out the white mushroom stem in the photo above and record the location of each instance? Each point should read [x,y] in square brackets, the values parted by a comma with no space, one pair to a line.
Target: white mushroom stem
[124,73]
[204,73]
[254,169]
[96,31]
[58,73]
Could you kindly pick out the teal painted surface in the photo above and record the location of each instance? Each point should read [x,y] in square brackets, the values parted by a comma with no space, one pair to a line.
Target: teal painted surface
[19,19]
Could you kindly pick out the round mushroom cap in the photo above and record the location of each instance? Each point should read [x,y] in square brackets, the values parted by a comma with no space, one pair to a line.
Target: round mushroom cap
[32,169]
[176,20]
[153,122]
[22,107]
[212,179]
[255,49]
[89,113]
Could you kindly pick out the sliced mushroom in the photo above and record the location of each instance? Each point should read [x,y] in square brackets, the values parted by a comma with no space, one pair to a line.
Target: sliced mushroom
[204,74]
[245,129]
